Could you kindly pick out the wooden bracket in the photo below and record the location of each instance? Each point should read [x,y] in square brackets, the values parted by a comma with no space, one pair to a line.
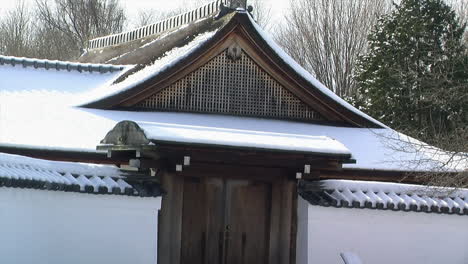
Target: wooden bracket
[185,163]
[298,175]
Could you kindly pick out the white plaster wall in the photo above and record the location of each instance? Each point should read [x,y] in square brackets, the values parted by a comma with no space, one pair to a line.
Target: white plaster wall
[383,237]
[58,227]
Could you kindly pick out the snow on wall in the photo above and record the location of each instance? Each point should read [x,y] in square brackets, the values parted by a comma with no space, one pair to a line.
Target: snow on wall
[375,236]
[47,227]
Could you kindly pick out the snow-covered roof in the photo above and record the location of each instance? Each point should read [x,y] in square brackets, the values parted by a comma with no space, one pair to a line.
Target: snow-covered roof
[40,110]
[50,122]
[385,196]
[59,65]
[212,135]
[25,172]
[18,79]
[170,58]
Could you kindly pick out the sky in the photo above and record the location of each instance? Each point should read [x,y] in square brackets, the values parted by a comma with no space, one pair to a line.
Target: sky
[133,6]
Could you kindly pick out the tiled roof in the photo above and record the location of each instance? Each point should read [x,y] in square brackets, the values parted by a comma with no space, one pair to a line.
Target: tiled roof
[22,172]
[158,27]
[384,196]
[60,65]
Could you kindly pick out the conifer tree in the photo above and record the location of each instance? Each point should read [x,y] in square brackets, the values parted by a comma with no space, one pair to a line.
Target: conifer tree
[415,76]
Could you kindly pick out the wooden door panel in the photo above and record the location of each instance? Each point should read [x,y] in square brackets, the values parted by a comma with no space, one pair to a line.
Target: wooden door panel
[212,205]
[249,223]
[193,240]
[214,221]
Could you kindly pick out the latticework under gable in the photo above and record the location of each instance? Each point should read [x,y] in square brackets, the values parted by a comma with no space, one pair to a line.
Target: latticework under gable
[231,86]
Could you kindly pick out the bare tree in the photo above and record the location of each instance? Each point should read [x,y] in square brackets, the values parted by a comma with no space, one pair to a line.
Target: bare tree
[80,20]
[327,36]
[461,8]
[149,16]
[262,13]
[16,31]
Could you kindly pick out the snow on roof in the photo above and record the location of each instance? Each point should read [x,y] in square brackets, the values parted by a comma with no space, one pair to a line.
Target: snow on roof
[306,75]
[38,110]
[19,79]
[59,65]
[177,54]
[385,196]
[44,116]
[50,121]
[211,134]
[169,59]
[380,149]
[24,172]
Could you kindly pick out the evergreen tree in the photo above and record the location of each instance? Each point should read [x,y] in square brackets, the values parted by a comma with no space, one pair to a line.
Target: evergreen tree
[415,76]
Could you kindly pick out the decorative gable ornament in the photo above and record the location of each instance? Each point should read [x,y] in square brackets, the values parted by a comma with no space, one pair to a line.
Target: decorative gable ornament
[126,133]
[234,52]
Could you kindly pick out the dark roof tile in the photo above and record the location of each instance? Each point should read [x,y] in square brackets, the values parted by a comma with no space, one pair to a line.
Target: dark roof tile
[383,196]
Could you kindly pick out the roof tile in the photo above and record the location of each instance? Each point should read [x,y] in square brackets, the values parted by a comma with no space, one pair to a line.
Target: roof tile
[385,196]
[23,172]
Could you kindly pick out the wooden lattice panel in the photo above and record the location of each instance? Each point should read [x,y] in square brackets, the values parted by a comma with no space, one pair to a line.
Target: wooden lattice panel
[225,86]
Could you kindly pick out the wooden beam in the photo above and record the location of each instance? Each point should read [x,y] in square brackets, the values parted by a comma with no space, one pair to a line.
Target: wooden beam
[177,154]
[145,163]
[235,171]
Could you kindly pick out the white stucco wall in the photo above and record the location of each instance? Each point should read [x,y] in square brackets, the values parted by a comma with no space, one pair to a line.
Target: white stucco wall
[376,236]
[58,227]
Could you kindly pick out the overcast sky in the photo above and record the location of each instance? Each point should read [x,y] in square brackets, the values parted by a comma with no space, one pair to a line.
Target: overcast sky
[133,6]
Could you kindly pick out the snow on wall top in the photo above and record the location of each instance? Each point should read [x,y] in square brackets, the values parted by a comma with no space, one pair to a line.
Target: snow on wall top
[8,160]
[24,172]
[19,171]
[385,196]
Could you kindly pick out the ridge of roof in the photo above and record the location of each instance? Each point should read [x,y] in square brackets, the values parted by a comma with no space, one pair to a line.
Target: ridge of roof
[385,196]
[158,27]
[60,65]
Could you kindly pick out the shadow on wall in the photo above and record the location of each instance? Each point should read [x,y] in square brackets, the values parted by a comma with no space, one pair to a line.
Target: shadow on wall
[350,258]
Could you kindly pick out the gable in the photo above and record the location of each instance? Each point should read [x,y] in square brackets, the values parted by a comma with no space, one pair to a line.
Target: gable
[258,79]
[230,84]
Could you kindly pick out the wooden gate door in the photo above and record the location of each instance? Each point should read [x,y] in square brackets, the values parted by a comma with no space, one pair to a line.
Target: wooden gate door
[225,221]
